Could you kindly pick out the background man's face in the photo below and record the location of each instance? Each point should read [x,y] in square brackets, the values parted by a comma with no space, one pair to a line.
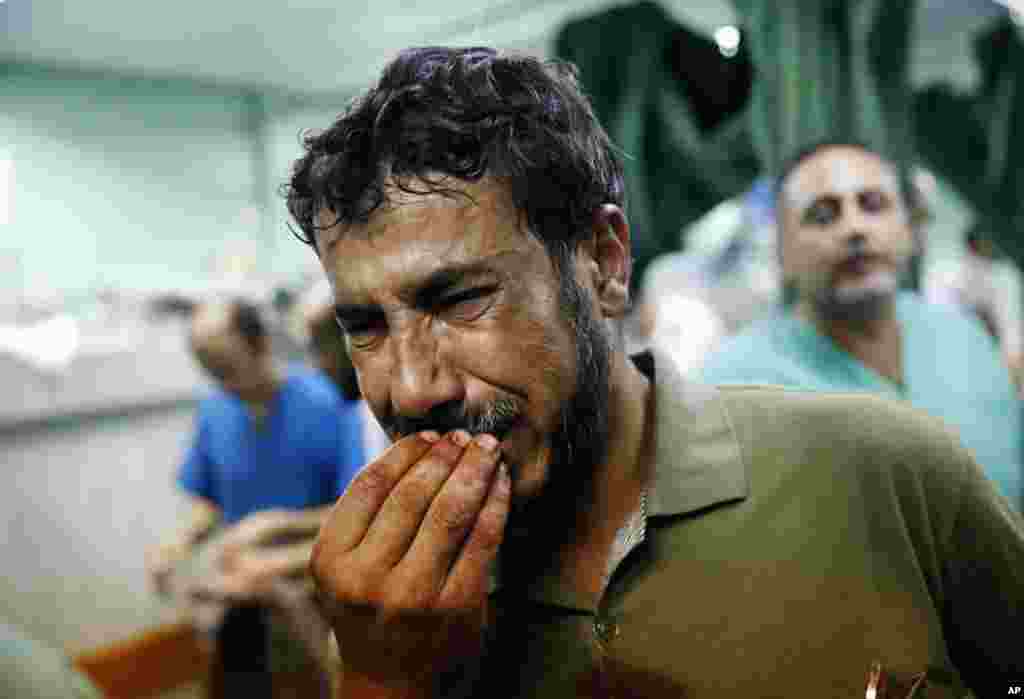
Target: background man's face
[454,318]
[228,358]
[845,231]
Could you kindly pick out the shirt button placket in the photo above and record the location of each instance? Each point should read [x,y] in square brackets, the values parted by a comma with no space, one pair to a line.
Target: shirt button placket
[606,630]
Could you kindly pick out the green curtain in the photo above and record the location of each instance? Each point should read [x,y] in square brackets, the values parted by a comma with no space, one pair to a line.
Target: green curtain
[823,70]
[976,141]
[833,70]
[677,168]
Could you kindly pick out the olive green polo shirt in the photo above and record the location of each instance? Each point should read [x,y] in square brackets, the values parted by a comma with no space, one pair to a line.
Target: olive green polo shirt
[792,541]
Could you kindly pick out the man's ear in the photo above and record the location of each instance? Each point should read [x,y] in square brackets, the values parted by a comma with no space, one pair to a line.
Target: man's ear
[613,260]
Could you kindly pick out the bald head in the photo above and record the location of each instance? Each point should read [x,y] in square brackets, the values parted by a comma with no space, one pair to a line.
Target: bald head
[209,322]
[230,342]
[840,169]
[212,321]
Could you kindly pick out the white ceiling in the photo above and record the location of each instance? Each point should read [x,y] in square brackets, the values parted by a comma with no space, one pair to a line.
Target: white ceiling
[300,46]
[320,46]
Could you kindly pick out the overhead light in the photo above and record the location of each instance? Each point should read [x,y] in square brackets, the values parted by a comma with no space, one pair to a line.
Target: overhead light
[1016,8]
[728,40]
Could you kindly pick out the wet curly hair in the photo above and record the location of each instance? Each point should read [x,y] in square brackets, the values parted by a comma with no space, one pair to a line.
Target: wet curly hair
[440,113]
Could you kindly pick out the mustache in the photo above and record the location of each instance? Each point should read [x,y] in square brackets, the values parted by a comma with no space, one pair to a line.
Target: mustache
[858,249]
[496,418]
[855,255]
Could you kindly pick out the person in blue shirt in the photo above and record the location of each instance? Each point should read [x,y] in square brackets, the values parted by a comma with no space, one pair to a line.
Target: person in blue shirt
[271,444]
[846,238]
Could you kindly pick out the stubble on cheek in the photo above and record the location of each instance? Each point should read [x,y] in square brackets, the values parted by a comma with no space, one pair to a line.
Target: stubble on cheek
[545,362]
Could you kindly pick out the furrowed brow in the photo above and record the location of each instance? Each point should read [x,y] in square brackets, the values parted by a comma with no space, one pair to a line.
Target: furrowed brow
[427,292]
[423,293]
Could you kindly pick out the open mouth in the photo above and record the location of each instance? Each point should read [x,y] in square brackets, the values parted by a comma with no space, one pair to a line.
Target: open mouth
[857,266]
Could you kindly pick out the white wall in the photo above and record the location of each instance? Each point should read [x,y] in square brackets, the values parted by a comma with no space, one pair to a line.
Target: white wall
[285,123]
[122,182]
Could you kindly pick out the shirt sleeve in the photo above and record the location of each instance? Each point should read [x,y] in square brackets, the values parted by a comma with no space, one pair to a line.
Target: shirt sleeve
[195,475]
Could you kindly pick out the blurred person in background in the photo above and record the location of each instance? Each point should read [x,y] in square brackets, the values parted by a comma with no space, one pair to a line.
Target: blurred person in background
[847,237]
[272,450]
[979,284]
[253,565]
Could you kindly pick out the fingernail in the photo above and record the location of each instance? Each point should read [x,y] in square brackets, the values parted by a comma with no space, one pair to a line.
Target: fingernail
[487,442]
[504,477]
[460,437]
[430,436]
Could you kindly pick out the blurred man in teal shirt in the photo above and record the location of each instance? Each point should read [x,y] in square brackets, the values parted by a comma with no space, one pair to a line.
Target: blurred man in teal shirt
[846,238]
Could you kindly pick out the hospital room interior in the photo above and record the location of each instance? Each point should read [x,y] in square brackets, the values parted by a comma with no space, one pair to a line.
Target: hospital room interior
[145,155]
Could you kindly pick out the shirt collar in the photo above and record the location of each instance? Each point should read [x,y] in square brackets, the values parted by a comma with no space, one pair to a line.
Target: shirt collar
[697,457]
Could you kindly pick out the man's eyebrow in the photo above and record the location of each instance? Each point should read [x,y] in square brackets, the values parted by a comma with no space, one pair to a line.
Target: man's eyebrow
[426,292]
[356,314]
[420,294]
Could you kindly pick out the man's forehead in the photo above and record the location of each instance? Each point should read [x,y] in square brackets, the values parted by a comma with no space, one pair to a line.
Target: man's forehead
[839,171]
[420,240]
[416,202]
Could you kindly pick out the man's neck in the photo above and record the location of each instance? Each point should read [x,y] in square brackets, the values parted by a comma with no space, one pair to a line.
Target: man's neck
[259,404]
[877,341]
[618,482]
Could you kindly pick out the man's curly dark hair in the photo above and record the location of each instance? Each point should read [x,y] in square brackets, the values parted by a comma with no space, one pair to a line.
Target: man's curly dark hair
[466,113]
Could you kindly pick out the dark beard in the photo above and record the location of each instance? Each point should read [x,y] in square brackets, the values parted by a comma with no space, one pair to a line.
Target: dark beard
[858,307]
[866,307]
[540,529]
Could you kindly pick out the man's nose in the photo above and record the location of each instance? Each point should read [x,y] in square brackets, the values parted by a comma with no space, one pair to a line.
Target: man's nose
[856,242]
[857,226]
[421,375]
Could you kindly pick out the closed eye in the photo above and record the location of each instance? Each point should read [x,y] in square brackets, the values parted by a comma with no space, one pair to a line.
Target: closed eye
[466,305]
[472,294]
[360,329]
[363,326]
[823,212]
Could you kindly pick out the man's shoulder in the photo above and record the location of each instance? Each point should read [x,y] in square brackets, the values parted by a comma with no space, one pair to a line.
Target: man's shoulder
[845,410]
[949,320]
[218,405]
[313,388]
[752,355]
[847,429]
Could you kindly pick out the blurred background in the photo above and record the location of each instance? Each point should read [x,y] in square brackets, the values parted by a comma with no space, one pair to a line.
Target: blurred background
[142,146]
